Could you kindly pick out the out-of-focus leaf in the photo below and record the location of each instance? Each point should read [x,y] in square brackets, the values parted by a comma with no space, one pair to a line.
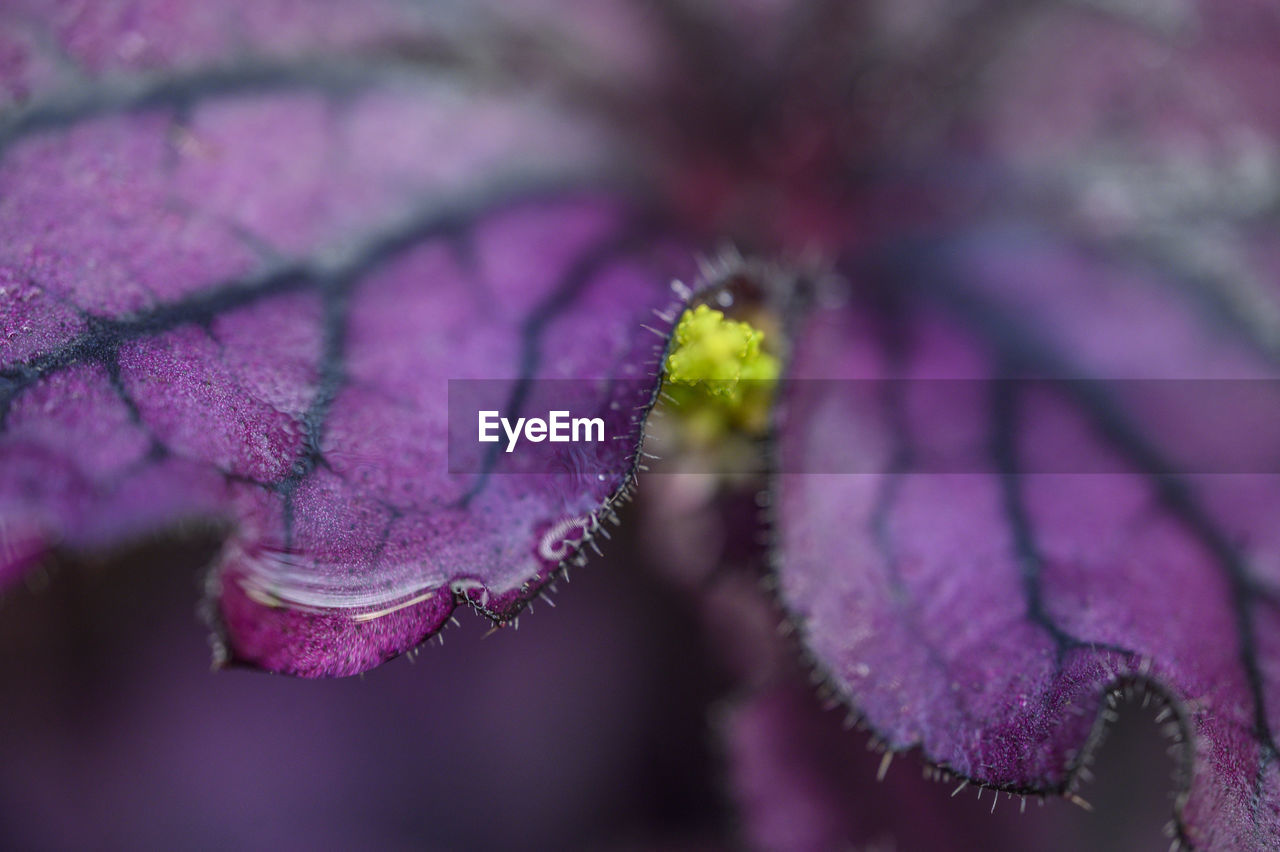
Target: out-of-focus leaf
[985,611]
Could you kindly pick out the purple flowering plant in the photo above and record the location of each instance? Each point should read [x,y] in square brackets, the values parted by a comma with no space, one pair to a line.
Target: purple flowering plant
[949,332]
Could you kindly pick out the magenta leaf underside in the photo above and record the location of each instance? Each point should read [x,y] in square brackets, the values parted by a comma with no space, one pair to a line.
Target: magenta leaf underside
[985,614]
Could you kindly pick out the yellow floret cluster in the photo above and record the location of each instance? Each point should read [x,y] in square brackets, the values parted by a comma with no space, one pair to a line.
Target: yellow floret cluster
[719,375]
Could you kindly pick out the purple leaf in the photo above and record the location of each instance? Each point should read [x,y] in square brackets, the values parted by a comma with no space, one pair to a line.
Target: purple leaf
[986,613]
[235,293]
[804,783]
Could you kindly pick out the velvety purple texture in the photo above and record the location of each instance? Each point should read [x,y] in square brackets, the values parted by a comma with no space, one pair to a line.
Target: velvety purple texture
[984,616]
[309,410]
[237,294]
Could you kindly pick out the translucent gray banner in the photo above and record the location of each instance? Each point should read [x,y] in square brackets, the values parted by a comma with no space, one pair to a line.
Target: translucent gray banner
[867,426]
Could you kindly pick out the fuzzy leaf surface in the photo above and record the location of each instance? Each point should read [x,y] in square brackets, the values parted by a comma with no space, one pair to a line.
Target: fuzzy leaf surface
[240,264]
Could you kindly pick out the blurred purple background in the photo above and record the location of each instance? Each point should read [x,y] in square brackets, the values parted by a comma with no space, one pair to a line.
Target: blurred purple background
[596,725]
